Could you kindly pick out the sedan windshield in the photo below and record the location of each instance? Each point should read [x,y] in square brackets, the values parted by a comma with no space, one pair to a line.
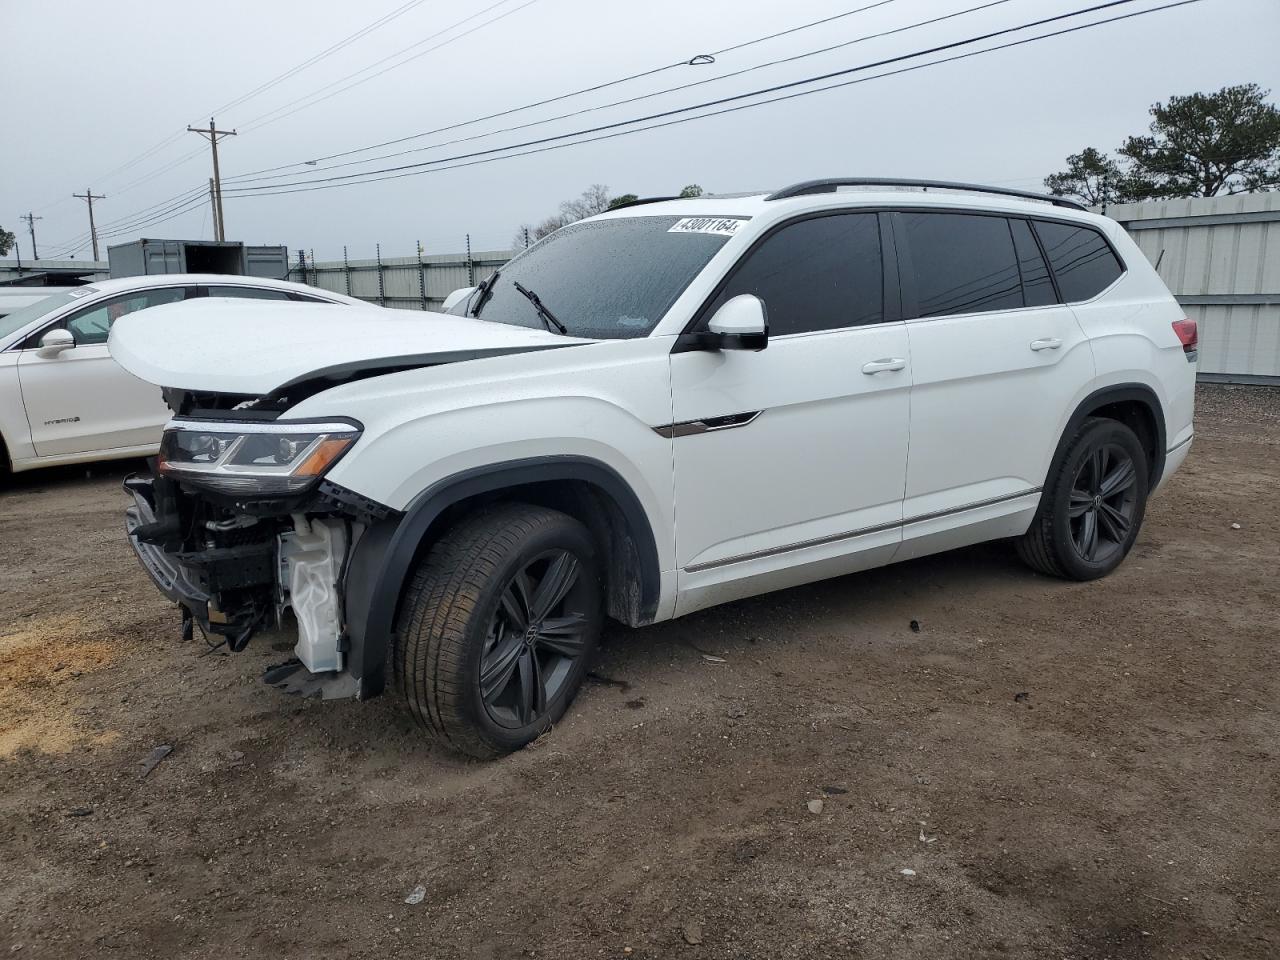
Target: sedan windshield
[20,318]
[605,279]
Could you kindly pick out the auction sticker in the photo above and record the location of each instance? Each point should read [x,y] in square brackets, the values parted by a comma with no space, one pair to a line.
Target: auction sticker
[716,226]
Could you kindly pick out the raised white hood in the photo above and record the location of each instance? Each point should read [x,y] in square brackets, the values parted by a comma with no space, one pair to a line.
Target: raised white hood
[256,346]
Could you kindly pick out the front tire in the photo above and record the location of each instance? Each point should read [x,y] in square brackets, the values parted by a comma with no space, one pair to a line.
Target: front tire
[497,627]
[1093,506]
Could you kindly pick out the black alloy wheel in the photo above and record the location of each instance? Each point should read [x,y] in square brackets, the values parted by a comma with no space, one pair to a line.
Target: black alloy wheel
[1093,503]
[496,631]
[1103,501]
[535,639]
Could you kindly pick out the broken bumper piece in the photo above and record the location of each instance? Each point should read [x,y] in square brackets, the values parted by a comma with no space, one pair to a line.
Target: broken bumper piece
[244,579]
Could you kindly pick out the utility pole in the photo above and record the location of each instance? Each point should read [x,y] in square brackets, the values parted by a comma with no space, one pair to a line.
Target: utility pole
[213,204]
[31,225]
[93,231]
[213,135]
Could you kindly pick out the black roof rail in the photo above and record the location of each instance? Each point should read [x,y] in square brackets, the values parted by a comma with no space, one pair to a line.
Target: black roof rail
[809,187]
[639,202]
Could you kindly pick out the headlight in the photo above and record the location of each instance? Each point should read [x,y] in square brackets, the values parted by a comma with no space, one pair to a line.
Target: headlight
[260,459]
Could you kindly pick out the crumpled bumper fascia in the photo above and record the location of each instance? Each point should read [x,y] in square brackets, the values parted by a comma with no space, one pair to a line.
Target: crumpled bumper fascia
[164,570]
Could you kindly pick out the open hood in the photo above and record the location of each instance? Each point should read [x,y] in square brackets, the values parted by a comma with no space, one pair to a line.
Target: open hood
[258,347]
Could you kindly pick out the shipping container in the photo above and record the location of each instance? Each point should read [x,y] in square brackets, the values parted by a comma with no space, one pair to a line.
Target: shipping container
[147,257]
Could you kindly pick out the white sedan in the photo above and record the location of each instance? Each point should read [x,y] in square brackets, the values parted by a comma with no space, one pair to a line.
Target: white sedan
[64,400]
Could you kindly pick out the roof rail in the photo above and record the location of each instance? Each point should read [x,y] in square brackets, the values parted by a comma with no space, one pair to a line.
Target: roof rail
[808,187]
[639,202]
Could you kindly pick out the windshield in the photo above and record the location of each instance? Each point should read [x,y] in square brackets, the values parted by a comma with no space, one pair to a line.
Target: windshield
[606,279]
[20,318]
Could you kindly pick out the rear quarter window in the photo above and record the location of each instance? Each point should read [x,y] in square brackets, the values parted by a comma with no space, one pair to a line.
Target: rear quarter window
[1082,260]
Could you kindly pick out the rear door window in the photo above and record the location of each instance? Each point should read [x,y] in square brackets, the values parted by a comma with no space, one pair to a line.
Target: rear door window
[823,273]
[964,263]
[1083,262]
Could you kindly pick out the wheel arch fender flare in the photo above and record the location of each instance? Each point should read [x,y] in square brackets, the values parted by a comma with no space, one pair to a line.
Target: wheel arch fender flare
[1120,393]
[384,557]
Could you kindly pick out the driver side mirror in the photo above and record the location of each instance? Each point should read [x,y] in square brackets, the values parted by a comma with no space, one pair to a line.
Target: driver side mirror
[54,342]
[740,324]
[455,298]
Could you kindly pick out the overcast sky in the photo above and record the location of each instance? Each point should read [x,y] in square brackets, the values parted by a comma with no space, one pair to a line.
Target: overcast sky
[92,86]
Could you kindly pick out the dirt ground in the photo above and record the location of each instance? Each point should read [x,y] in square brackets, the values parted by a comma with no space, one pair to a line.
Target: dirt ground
[1070,770]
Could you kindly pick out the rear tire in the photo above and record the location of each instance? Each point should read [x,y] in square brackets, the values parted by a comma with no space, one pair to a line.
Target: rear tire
[1092,508]
[497,627]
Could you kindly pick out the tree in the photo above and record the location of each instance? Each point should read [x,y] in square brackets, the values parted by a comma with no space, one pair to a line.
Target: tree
[595,199]
[7,241]
[625,198]
[1200,145]
[691,191]
[1208,143]
[1091,176]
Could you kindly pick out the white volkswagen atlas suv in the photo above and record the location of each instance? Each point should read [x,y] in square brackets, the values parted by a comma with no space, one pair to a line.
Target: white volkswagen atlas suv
[671,405]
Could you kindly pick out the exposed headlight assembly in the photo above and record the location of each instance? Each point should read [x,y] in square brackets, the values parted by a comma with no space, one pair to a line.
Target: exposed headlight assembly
[270,458]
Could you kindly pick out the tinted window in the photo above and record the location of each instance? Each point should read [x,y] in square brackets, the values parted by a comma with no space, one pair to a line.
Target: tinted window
[964,263]
[1082,261]
[250,293]
[1037,288]
[818,274]
[607,279]
[93,324]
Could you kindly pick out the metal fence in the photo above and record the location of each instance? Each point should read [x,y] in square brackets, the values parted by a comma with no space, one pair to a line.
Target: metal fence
[1221,258]
[406,283]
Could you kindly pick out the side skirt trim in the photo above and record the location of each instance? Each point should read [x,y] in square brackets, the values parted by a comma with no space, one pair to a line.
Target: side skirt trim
[864,531]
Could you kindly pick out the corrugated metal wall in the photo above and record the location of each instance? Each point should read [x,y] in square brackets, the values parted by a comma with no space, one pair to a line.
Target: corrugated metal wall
[1221,258]
[407,283]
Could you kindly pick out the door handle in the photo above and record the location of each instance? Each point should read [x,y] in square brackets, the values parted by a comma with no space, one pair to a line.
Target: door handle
[1048,343]
[885,365]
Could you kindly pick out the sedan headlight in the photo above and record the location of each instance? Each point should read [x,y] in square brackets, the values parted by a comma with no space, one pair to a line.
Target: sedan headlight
[259,459]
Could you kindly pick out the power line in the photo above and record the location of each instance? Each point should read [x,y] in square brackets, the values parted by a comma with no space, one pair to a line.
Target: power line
[575,93]
[271,116]
[133,222]
[147,178]
[79,240]
[322,55]
[150,176]
[161,217]
[648,96]
[734,109]
[411,169]
[261,88]
[193,204]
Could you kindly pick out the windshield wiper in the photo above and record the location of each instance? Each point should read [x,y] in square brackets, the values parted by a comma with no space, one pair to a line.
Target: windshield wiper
[486,291]
[548,318]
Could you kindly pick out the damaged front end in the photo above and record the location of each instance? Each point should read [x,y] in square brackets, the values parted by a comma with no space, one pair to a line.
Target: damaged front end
[237,525]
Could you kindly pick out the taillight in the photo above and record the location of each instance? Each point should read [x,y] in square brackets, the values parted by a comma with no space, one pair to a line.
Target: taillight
[1188,335]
